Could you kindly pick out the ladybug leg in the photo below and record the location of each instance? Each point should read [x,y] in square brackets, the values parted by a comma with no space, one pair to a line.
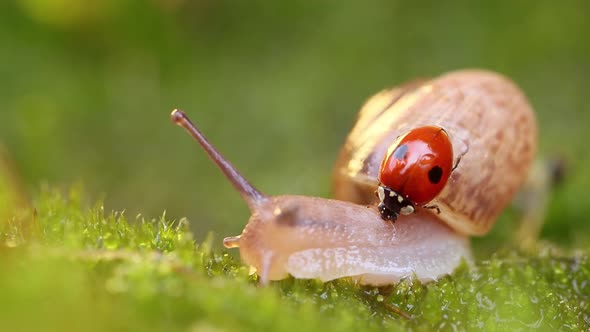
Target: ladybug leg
[432,207]
[463,152]
[457,162]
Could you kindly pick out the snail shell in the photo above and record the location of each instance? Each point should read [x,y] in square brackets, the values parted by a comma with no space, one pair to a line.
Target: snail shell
[489,122]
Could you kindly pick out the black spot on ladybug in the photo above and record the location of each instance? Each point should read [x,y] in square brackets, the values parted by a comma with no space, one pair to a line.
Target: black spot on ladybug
[435,174]
[400,152]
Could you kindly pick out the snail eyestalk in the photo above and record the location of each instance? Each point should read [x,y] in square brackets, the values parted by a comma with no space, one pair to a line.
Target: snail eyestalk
[249,193]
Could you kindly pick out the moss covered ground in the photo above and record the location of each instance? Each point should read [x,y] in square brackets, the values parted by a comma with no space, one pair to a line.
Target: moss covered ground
[66,266]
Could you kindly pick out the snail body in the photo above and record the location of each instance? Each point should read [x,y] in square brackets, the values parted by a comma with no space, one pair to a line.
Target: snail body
[311,237]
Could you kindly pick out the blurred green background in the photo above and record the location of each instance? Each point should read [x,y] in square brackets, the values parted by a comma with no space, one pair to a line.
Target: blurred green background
[86,88]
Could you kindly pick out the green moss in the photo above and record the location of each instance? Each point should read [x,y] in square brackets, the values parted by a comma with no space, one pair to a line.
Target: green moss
[84,269]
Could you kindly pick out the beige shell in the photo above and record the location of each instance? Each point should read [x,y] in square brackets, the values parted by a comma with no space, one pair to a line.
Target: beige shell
[489,121]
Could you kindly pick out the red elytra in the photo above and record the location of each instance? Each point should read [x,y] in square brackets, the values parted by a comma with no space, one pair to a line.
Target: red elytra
[418,165]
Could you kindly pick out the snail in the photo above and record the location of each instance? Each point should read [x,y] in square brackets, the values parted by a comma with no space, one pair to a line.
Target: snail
[490,125]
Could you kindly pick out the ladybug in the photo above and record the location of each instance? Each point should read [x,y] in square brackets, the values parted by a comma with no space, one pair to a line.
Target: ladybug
[414,171]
